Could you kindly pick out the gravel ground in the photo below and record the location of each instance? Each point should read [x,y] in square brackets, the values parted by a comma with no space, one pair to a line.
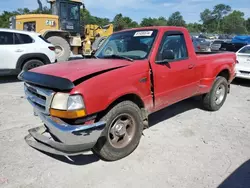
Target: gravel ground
[185,147]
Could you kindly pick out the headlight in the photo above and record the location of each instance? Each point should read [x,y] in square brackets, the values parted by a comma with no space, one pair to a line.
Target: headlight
[67,106]
[75,102]
[60,101]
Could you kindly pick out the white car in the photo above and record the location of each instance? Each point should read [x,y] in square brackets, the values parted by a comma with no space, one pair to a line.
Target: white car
[23,50]
[243,62]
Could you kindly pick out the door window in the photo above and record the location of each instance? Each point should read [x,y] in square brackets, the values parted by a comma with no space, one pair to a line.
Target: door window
[64,11]
[73,11]
[175,43]
[6,38]
[23,39]
[29,26]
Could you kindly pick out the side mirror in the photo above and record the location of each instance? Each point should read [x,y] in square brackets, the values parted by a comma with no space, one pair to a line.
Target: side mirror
[168,55]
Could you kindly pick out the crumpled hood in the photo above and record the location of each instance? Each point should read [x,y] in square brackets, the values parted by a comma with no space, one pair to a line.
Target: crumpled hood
[77,69]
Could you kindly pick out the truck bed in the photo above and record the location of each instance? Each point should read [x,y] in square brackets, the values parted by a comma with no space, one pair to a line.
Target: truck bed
[210,53]
[217,56]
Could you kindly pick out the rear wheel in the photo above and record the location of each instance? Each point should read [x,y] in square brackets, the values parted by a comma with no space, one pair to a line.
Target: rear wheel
[62,48]
[214,100]
[122,133]
[33,63]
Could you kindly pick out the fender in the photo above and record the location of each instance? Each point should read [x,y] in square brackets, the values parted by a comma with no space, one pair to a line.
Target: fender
[46,32]
[29,56]
[210,73]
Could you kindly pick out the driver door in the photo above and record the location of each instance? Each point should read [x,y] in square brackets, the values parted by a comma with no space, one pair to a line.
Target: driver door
[175,80]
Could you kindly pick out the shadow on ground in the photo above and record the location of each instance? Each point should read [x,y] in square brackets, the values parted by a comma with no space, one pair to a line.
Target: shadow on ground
[240,178]
[174,110]
[80,160]
[8,79]
[155,118]
[241,82]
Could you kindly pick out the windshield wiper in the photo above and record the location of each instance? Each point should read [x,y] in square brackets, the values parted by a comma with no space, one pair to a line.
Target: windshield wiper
[119,56]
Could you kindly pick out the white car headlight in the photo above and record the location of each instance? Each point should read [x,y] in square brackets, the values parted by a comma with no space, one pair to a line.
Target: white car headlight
[64,101]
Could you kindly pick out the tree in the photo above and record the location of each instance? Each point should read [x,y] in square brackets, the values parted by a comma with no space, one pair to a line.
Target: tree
[219,12]
[176,19]
[234,23]
[195,27]
[248,25]
[161,21]
[208,20]
[121,22]
[87,18]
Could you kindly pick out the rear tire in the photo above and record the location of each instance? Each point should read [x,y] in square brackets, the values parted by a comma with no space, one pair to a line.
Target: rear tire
[30,64]
[122,133]
[214,100]
[62,48]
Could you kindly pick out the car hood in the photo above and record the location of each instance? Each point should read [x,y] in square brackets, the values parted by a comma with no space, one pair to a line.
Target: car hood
[74,70]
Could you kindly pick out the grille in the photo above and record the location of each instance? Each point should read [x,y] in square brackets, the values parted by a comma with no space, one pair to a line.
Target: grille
[40,98]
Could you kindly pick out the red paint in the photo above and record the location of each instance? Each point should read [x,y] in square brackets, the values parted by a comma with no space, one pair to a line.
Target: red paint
[173,83]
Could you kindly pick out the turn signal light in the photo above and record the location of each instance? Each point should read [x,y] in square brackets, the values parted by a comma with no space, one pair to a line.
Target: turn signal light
[74,114]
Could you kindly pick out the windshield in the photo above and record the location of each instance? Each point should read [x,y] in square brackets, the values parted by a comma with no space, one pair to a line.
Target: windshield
[134,44]
[245,50]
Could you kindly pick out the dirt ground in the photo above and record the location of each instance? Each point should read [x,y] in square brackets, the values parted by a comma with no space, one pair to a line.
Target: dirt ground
[185,147]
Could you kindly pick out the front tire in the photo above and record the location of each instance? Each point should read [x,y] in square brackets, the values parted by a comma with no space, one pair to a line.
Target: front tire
[214,100]
[122,133]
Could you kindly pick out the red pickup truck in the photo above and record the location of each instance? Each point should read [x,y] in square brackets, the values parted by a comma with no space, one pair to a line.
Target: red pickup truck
[102,104]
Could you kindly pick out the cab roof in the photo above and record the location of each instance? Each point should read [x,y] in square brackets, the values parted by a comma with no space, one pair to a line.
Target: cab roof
[156,28]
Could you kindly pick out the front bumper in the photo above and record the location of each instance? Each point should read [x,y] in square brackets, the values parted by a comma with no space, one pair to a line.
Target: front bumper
[60,138]
[246,75]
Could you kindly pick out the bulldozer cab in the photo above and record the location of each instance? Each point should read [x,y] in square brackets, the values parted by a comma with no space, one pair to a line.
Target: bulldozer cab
[69,14]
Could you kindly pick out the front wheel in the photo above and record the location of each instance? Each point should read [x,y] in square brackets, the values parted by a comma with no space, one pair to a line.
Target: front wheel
[122,133]
[214,100]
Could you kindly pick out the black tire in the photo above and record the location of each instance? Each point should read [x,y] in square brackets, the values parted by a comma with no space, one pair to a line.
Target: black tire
[62,44]
[33,63]
[104,148]
[98,42]
[210,100]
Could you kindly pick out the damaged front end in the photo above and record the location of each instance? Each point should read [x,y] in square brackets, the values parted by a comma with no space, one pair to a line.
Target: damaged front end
[58,136]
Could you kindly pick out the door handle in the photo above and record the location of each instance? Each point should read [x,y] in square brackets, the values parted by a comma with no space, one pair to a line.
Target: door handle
[19,50]
[190,66]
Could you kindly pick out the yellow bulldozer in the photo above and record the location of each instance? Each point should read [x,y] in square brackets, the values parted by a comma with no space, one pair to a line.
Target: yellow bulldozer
[63,29]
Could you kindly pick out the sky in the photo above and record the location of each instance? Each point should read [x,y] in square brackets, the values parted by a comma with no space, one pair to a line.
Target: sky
[138,9]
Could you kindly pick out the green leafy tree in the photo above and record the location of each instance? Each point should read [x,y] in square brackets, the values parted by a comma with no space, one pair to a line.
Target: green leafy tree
[176,19]
[121,22]
[234,23]
[208,20]
[219,12]
[195,27]
[248,25]
[161,21]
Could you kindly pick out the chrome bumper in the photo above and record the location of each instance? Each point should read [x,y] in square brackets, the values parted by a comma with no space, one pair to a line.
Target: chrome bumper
[60,138]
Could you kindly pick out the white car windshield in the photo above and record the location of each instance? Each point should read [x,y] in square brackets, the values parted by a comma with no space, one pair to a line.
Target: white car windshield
[133,45]
[245,50]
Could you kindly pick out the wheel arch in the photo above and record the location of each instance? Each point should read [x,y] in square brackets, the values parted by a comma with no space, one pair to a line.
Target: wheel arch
[127,97]
[26,57]
[224,73]
[49,33]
